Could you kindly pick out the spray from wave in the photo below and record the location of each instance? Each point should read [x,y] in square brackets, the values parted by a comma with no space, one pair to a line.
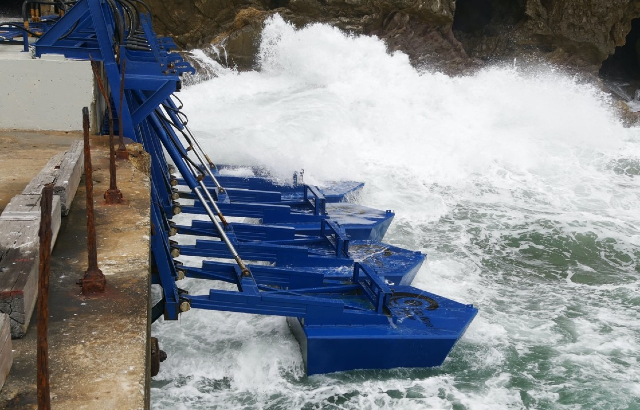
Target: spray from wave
[520,184]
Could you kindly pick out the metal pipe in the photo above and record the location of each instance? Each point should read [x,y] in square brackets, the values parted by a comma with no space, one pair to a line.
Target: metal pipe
[171,150]
[202,161]
[213,202]
[199,155]
[122,149]
[113,194]
[223,235]
[112,161]
[95,67]
[44,396]
[93,280]
[243,268]
[197,144]
[186,169]
[88,172]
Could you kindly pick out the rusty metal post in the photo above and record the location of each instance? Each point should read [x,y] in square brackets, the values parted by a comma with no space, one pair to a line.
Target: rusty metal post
[122,152]
[113,194]
[93,280]
[44,397]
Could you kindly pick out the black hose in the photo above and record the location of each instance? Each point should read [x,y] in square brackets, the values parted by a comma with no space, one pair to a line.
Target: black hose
[118,20]
[179,100]
[62,37]
[187,137]
[137,48]
[132,17]
[127,17]
[178,113]
[21,28]
[176,143]
[184,118]
[135,25]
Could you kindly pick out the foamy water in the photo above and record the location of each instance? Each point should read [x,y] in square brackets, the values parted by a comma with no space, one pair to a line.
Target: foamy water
[519,184]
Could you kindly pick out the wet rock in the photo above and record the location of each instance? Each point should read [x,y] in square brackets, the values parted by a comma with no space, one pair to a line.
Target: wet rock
[629,118]
[448,35]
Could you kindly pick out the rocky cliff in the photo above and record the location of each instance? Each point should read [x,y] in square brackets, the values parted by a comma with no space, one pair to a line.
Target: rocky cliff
[448,35]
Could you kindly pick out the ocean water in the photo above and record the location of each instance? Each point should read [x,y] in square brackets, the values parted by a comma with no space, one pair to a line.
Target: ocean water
[519,183]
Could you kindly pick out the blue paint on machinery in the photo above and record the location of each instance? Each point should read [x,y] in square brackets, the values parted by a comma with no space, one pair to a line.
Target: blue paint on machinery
[307,253]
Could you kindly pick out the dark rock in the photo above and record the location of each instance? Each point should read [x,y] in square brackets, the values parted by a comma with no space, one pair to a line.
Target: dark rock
[447,35]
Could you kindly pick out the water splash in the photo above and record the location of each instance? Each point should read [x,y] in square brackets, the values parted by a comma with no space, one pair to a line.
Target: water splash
[517,183]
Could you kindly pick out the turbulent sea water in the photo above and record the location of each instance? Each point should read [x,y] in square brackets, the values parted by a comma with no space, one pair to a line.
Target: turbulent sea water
[520,185]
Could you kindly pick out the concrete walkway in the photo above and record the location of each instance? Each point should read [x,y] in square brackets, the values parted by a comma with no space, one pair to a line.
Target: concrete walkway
[98,346]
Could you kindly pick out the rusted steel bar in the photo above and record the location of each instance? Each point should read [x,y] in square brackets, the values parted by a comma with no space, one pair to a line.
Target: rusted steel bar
[122,152]
[44,397]
[95,66]
[93,280]
[113,194]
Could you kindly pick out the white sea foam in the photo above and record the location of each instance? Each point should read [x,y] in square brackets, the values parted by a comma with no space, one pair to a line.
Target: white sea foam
[509,179]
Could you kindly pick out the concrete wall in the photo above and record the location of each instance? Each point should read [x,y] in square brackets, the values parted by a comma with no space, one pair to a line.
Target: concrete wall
[43,94]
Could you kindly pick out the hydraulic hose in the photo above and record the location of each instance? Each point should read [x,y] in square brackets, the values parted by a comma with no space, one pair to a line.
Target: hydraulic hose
[18,26]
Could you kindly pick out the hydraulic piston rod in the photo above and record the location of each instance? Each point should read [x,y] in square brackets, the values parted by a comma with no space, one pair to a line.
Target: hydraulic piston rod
[192,140]
[223,235]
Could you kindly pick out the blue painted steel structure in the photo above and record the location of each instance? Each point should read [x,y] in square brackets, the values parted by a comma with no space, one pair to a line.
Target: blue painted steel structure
[306,255]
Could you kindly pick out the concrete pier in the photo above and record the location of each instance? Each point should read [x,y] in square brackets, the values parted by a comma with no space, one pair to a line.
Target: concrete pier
[98,345]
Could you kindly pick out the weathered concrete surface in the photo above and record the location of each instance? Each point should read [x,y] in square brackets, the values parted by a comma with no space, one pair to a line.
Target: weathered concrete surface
[98,347]
[63,171]
[20,225]
[23,154]
[68,176]
[31,87]
[20,258]
[6,356]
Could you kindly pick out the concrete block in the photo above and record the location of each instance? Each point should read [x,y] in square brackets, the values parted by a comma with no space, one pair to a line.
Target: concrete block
[64,170]
[6,354]
[48,175]
[19,257]
[70,172]
[20,221]
[46,93]
[19,240]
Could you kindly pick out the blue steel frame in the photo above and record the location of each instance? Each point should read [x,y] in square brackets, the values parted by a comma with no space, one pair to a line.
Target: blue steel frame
[153,74]
[304,284]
